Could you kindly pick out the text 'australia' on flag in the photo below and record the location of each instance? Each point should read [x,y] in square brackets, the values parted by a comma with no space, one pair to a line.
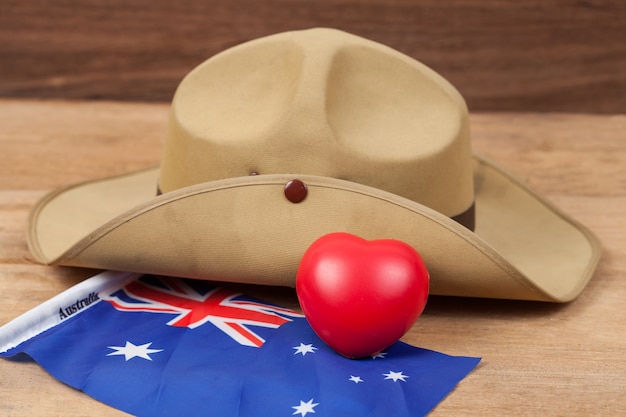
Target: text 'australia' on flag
[155,346]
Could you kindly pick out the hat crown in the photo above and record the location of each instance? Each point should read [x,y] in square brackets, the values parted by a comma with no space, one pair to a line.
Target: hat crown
[322,102]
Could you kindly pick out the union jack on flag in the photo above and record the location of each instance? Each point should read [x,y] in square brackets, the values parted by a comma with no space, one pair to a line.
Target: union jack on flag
[193,307]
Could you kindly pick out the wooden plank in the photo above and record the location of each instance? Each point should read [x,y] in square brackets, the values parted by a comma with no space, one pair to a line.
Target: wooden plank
[538,359]
[562,55]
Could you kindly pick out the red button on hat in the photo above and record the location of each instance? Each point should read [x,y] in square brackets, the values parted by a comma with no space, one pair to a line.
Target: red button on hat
[295,191]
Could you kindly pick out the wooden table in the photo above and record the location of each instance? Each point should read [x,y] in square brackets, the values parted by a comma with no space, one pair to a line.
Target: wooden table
[538,359]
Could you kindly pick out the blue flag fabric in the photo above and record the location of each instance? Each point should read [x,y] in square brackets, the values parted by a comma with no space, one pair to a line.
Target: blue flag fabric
[156,346]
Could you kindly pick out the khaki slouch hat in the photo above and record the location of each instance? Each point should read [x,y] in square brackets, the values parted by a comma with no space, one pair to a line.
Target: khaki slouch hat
[278,141]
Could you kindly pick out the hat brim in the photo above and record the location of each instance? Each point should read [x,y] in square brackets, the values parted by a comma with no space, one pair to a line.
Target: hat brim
[245,230]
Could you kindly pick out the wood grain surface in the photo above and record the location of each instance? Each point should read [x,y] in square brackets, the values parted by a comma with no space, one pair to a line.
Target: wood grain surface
[558,55]
[538,359]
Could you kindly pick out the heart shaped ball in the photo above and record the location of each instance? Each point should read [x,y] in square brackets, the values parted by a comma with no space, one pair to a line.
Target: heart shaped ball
[361,296]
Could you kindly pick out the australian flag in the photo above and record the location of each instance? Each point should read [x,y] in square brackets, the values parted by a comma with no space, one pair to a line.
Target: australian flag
[157,346]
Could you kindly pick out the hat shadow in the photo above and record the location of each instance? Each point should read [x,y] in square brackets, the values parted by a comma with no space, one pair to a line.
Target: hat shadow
[486,307]
[437,305]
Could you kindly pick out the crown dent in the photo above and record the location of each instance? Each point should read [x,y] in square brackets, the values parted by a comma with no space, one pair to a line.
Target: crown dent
[303,134]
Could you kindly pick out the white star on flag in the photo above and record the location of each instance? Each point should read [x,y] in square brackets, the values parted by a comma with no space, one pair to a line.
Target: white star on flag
[304,349]
[396,376]
[355,379]
[305,407]
[130,351]
[379,355]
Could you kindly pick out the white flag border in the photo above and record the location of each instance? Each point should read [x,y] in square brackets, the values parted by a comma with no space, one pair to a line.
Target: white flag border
[46,315]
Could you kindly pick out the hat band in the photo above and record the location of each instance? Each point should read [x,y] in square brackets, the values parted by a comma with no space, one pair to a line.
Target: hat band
[467,218]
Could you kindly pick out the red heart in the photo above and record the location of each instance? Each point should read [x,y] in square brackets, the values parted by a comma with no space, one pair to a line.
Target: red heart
[361,296]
